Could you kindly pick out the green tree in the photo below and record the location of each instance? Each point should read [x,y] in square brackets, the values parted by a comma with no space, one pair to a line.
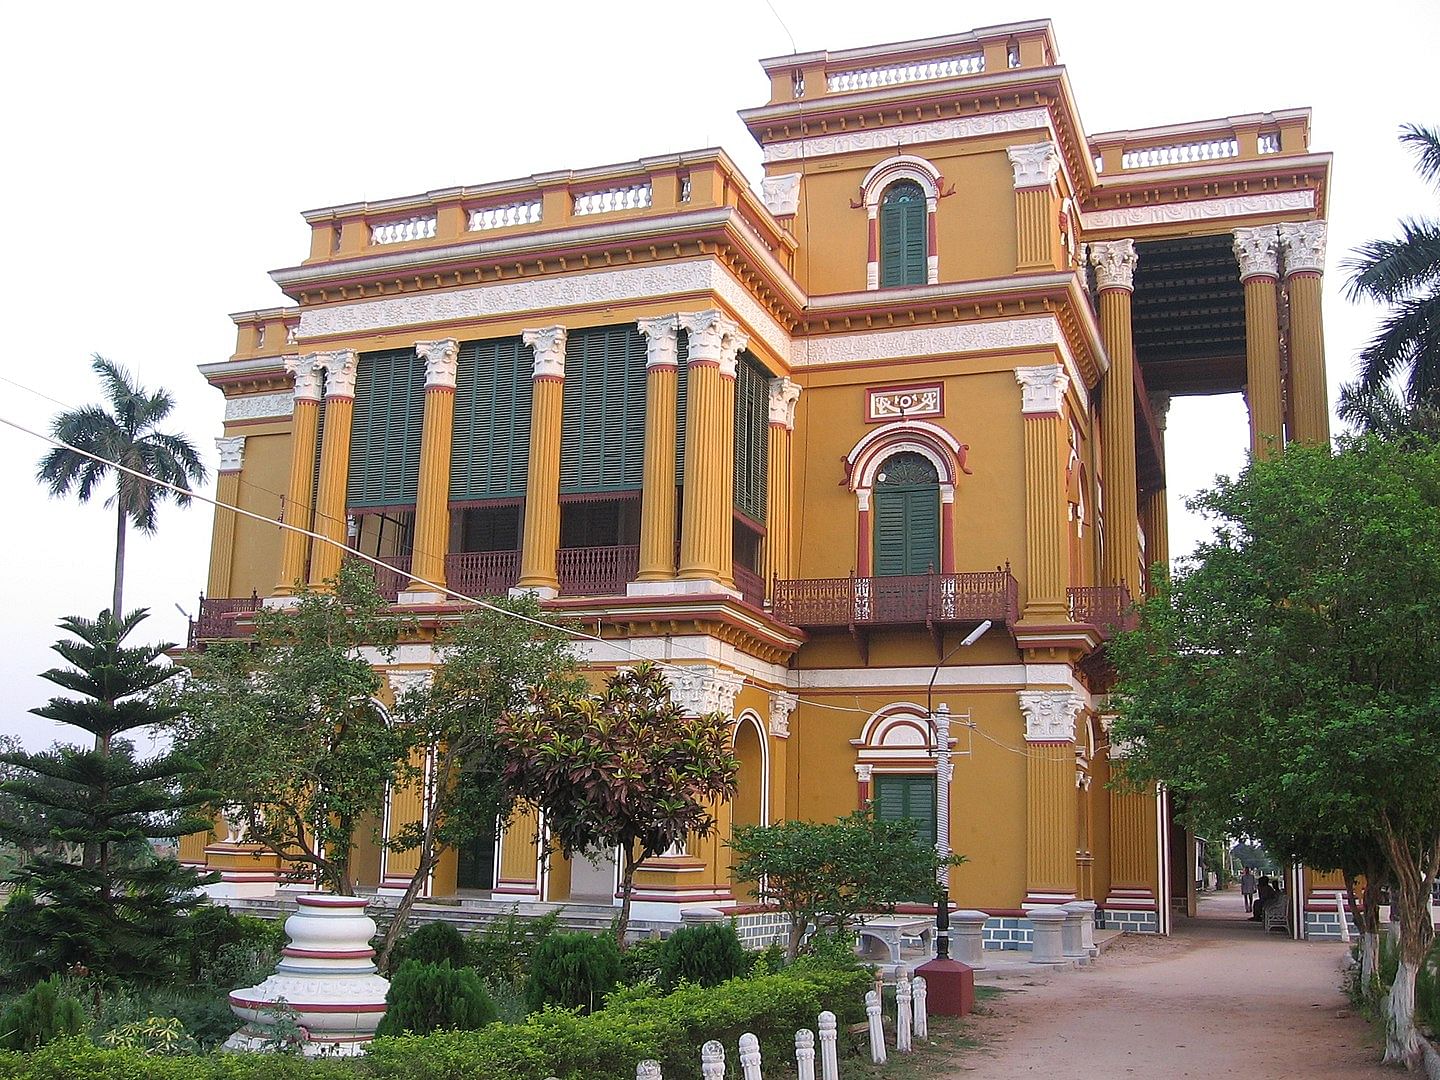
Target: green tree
[1285,679]
[830,875]
[1385,414]
[626,769]
[118,909]
[288,727]
[126,435]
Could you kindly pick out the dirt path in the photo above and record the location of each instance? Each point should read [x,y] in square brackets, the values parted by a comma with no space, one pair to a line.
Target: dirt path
[1221,998]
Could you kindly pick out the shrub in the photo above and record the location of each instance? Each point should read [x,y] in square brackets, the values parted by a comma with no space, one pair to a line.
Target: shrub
[767,961]
[435,997]
[226,950]
[641,961]
[38,1016]
[706,955]
[574,971]
[506,948]
[433,943]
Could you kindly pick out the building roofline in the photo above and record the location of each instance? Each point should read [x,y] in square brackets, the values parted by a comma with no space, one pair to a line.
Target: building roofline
[898,48]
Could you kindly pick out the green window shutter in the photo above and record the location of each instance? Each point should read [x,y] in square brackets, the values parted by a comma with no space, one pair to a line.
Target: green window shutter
[602,429]
[682,370]
[898,798]
[902,235]
[490,451]
[385,429]
[752,417]
[907,517]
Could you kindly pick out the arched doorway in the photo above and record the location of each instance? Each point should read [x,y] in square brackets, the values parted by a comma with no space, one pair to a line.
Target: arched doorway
[750,805]
[907,516]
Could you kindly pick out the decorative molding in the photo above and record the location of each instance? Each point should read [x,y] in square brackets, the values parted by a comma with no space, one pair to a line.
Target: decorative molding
[900,167]
[783,395]
[1304,245]
[864,772]
[974,337]
[548,344]
[1036,164]
[887,138]
[1042,389]
[232,453]
[306,371]
[262,406]
[1050,714]
[662,336]
[713,338]
[441,361]
[405,680]
[1258,251]
[340,366]
[1160,408]
[1235,206]
[904,402]
[781,706]
[699,689]
[781,194]
[1114,262]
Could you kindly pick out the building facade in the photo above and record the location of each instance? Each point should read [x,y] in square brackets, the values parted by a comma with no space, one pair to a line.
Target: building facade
[799,442]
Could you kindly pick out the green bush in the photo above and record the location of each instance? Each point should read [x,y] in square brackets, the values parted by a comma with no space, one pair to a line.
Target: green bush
[42,1014]
[226,950]
[706,955]
[433,943]
[435,997]
[573,971]
[767,961]
[505,948]
[641,961]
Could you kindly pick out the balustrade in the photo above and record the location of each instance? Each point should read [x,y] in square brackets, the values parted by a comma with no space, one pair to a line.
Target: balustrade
[609,200]
[395,232]
[482,573]
[391,579]
[1151,157]
[900,600]
[751,586]
[502,217]
[597,571]
[217,618]
[1108,608]
[870,78]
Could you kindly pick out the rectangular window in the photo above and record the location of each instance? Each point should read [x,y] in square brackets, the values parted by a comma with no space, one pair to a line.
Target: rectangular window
[385,429]
[602,431]
[907,798]
[752,419]
[490,451]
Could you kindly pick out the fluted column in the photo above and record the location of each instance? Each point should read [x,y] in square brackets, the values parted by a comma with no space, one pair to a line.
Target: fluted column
[299,494]
[1304,246]
[542,485]
[1042,396]
[1051,819]
[405,803]
[1154,509]
[783,396]
[432,495]
[1134,864]
[1258,252]
[705,529]
[325,559]
[222,536]
[1115,279]
[657,506]
[1036,232]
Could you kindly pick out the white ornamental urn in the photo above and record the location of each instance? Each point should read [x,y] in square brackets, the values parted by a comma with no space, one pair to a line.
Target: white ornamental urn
[325,984]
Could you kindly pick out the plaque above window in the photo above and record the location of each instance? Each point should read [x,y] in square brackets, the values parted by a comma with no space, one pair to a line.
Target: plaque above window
[912,402]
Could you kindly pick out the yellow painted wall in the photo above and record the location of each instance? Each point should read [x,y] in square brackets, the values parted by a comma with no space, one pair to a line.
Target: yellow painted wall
[263,479]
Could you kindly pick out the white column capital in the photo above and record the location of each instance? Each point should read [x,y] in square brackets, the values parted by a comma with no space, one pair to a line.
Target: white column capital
[340,367]
[548,345]
[783,395]
[1258,252]
[713,338]
[1304,245]
[1114,262]
[1050,714]
[781,706]
[701,689]
[1036,164]
[1042,388]
[863,772]
[441,361]
[662,337]
[232,453]
[404,681]
[307,375]
[781,194]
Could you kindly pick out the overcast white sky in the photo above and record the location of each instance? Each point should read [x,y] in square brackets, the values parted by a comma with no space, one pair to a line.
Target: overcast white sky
[158,157]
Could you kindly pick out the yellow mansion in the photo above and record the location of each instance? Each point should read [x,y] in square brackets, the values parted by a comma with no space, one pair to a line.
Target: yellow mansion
[800,440]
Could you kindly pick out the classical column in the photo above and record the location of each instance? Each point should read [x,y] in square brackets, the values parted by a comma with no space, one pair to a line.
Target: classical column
[222,537]
[1154,510]
[1115,279]
[542,486]
[657,506]
[1134,869]
[1304,246]
[1042,396]
[432,497]
[1258,252]
[705,528]
[1051,825]
[325,559]
[1036,240]
[299,495]
[405,804]
[872,246]
[783,396]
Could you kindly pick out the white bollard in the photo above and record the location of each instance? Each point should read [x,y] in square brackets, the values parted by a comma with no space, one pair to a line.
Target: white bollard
[712,1061]
[904,1017]
[877,1028]
[750,1056]
[829,1059]
[918,992]
[1344,918]
[805,1054]
[648,1070]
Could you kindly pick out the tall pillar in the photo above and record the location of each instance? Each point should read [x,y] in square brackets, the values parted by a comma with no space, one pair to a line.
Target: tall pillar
[1154,509]
[1051,822]
[705,528]
[432,495]
[1115,279]
[1042,397]
[1037,241]
[1133,899]
[783,396]
[222,537]
[1258,252]
[1304,246]
[299,493]
[340,368]
[657,506]
[542,485]
[405,804]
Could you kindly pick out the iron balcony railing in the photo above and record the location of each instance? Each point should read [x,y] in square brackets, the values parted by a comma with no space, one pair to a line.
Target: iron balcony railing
[1108,608]
[597,571]
[482,573]
[217,617]
[915,599]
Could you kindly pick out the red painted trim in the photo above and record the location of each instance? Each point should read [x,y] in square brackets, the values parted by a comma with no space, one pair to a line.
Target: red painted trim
[439,389]
[930,234]
[863,793]
[1303,273]
[328,954]
[300,1007]
[548,378]
[947,536]
[872,241]
[703,363]
[862,543]
[325,903]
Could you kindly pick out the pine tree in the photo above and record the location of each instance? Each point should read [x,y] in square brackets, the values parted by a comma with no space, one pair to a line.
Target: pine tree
[109,906]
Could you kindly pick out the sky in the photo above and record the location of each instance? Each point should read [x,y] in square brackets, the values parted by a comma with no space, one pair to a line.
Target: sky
[159,156]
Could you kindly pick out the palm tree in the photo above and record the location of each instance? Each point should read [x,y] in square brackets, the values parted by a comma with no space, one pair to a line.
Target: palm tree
[1388,415]
[1404,273]
[96,440]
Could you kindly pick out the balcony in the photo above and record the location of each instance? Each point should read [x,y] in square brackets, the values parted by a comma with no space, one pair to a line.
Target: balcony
[583,571]
[1108,608]
[1202,144]
[218,619]
[597,571]
[482,573]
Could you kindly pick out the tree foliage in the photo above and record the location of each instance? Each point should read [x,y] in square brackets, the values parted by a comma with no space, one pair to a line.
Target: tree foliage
[435,997]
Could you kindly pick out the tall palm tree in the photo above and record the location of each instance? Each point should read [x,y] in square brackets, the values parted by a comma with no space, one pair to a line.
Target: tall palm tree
[1387,414]
[1404,273]
[124,435]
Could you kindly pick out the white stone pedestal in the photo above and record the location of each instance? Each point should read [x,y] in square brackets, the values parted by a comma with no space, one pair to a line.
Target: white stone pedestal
[1047,946]
[967,936]
[1087,909]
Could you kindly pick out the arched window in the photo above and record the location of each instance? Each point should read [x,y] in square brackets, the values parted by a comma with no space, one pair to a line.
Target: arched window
[907,516]
[902,235]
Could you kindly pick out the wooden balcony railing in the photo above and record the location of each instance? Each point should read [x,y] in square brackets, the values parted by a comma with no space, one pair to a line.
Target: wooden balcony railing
[482,573]
[597,571]
[391,580]
[216,619]
[751,586]
[919,599]
[1108,608]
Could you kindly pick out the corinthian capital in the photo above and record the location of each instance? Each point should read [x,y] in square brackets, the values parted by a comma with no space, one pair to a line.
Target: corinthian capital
[1041,388]
[1304,246]
[1258,252]
[783,396]
[713,339]
[1035,164]
[441,359]
[232,453]
[1050,714]
[340,367]
[662,336]
[307,375]
[1114,262]
[548,344]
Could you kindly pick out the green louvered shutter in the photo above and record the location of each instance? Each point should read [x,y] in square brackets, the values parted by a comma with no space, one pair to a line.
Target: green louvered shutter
[490,451]
[902,235]
[752,409]
[385,429]
[602,430]
[315,477]
[912,798]
[682,380]
[907,516]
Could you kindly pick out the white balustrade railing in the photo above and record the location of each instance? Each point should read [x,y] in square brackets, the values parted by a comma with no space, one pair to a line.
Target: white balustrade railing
[1268,143]
[750,1057]
[395,232]
[870,78]
[607,201]
[501,217]
[877,1027]
[904,1017]
[1180,153]
[829,1054]
[805,1054]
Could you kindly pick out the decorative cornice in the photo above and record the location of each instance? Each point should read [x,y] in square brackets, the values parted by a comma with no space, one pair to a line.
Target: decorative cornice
[548,344]
[306,371]
[1042,389]
[405,680]
[262,406]
[1050,714]
[1114,262]
[441,361]
[1304,246]
[781,194]
[700,689]
[340,367]
[1237,206]
[781,706]
[232,453]
[1036,164]
[1258,251]
[783,396]
[887,138]
[662,335]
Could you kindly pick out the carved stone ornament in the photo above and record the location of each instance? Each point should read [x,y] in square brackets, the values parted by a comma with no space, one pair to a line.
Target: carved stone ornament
[783,396]
[781,706]
[441,361]
[1050,714]
[1304,245]
[1036,164]
[781,194]
[713,338]
[1042,389]
[232,453]
[263,406]
[340,368]
[1237,206]
[1114,262]
[306,372]
[662,335]
[1258,251]
[701,689]
[887,138]
[405,680]
[1160,408]
[864,772]
[905,403]
[548,343]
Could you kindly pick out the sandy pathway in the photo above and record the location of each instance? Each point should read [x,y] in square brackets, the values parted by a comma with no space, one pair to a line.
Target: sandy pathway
[1221,998]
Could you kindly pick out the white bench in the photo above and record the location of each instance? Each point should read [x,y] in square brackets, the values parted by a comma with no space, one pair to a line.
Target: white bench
[888,933]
